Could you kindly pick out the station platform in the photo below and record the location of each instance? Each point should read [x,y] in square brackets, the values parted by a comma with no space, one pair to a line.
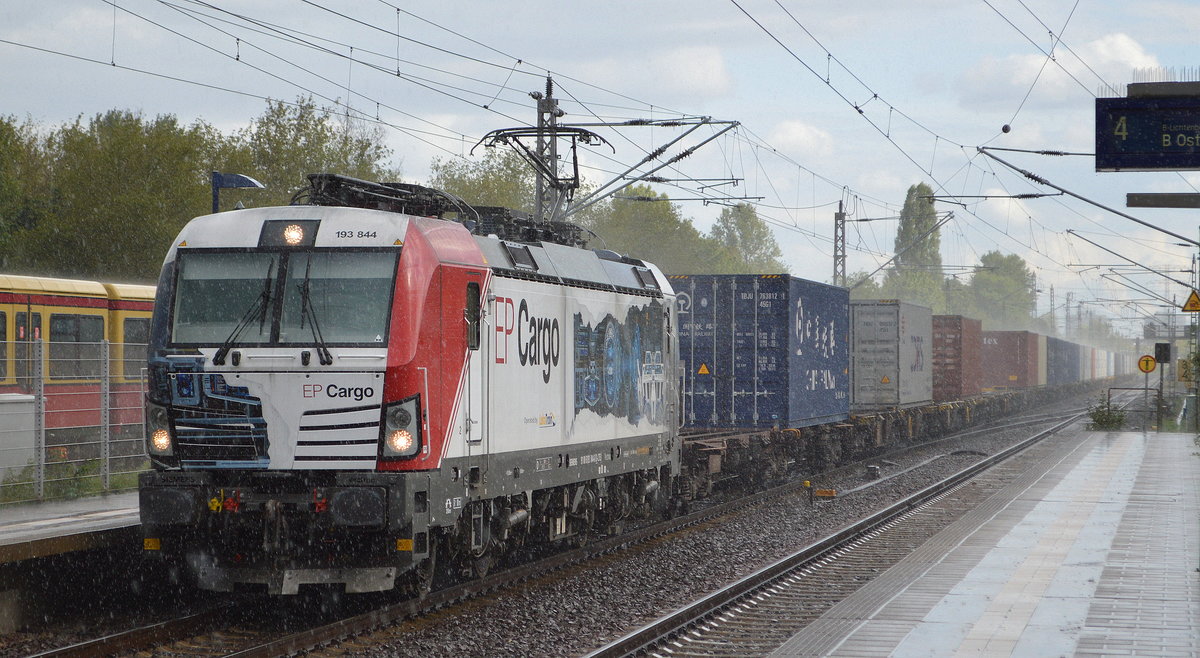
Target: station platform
[1096,556]
[34,530]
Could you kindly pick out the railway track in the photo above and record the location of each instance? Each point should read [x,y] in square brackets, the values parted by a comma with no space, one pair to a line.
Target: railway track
[211,633]
[760,612]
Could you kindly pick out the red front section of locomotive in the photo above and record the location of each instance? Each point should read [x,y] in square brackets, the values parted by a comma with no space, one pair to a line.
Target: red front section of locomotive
[442,275]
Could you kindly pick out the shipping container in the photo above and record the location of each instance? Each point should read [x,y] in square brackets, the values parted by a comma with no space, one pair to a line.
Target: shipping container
[891,360]
[1042,368]
[957,360]
[1011,359]
[1062,361]
[763,351]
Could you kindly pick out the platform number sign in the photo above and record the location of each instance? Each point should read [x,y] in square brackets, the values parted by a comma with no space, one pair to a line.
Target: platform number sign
[1146,364]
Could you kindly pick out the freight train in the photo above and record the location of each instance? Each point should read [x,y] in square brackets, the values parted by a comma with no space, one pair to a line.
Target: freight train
[380,383]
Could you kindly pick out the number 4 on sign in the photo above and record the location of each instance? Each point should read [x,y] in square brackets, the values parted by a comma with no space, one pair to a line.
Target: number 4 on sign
[1192,305]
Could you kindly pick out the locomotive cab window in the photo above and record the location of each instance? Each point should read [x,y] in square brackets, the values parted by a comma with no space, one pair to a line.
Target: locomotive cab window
[328,297]
[337,297]
[75,345]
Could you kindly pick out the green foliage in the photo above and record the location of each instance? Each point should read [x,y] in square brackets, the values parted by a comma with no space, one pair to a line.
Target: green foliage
[862,287]
[24,177]
[746,243]
[1003,291]
[103,198]
[654,231]
[65,480]
[500,178]
[1105,416]
[916,273]
[290,141]
[121,187]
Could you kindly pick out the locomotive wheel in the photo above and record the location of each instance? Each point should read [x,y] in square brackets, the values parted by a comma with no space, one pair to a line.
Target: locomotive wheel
[482,565]
[424,573]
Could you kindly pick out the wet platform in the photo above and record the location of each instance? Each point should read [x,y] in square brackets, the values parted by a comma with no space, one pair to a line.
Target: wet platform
[1097,555]
[33,530]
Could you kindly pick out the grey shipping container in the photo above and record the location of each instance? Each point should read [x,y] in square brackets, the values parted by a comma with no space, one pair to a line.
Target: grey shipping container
[890,355]
[761,351]
[957,362]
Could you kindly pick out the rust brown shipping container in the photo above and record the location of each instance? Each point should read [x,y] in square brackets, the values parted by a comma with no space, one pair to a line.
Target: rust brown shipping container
[1010,359]
[957,357]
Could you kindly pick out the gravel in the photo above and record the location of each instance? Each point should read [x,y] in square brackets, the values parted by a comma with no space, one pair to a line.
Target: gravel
[576,611]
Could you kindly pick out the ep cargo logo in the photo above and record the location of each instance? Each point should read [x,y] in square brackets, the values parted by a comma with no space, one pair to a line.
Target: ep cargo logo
[539,340]
[356,393]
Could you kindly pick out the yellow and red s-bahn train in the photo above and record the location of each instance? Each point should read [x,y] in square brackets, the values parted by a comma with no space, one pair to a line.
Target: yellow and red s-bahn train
[74,319]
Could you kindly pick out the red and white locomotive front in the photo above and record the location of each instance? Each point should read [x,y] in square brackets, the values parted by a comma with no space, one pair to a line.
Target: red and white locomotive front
[335,390]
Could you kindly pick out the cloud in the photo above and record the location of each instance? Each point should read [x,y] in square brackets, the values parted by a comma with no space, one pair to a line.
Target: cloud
[690,72]
[1110,58]
[801,140]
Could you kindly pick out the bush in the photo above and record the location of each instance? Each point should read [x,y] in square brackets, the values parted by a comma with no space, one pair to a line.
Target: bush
[1105,416]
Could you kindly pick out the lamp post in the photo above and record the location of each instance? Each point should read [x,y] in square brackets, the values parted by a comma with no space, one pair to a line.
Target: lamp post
[220,181]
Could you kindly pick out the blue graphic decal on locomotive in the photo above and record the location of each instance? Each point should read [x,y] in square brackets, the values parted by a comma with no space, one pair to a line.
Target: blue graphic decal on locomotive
[619,365]
[216,425]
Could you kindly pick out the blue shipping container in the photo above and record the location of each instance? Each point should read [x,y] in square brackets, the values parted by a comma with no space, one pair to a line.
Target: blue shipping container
[763,350]
[1062,362]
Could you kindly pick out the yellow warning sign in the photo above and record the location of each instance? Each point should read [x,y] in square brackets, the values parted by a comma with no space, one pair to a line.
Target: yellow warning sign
[1146,364]
[703,369]
[885,380]
[1192,305]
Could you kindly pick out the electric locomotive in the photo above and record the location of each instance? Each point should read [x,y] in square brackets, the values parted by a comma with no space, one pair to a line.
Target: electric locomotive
[379,382]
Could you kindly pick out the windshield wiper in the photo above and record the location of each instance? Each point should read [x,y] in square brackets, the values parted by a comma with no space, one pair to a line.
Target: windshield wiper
[307,311]
[257,310]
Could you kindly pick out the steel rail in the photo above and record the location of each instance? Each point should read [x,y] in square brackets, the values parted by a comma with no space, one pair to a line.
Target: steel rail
[349,627]
[683,619]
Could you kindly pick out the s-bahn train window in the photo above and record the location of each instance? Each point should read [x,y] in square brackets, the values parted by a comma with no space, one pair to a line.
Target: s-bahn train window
[28,327]
[337,297]
[3,345]
[136,333]
[74,344]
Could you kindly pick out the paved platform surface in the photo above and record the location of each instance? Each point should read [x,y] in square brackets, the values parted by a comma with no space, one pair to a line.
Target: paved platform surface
[1096,556]
[31,530]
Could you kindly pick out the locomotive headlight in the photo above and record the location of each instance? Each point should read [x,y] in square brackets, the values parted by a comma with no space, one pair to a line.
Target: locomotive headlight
[401,429]
[158,430]
[400,441]
[293,234]
[160,441]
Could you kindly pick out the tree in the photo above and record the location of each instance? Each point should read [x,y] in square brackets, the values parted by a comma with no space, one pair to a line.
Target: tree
[863,287]
[654,231]
[290,141]
[24,178]
[103,199]
[122,188]
[500,178]
[748,246]
[1003,290]
[916,274]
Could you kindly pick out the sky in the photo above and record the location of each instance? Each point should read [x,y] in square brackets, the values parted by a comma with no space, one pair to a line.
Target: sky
[849,102]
